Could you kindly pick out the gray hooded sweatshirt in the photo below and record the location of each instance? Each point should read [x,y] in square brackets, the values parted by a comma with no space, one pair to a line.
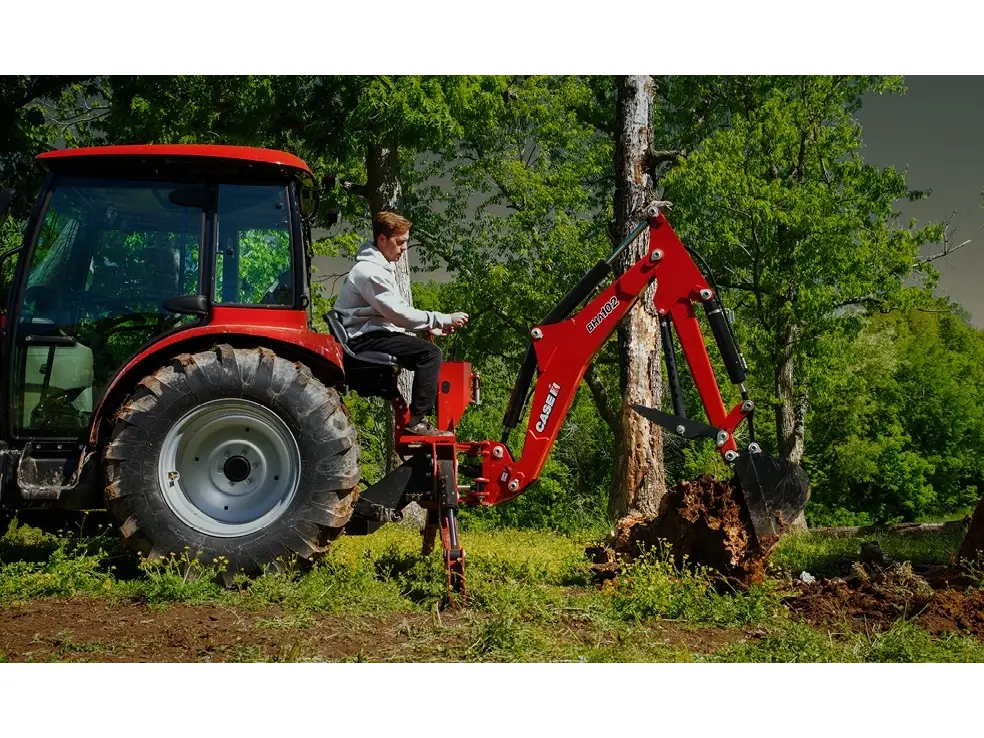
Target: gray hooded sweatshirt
[370,300]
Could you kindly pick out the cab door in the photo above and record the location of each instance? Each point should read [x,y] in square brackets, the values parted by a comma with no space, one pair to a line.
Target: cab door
[106,255]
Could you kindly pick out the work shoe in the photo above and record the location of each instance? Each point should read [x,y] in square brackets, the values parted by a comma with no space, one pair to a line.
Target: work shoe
[424,428]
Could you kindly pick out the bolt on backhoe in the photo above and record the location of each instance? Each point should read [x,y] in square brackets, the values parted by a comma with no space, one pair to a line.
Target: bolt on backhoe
[159,360]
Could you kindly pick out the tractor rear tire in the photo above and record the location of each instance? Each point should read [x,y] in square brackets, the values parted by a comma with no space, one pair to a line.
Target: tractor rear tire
[232,454]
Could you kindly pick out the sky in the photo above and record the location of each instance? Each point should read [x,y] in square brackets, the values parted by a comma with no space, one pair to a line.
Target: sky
[936,131]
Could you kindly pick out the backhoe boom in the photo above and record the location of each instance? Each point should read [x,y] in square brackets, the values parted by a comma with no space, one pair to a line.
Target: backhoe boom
[564,350]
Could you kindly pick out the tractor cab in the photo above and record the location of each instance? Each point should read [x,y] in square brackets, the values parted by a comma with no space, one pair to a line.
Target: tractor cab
[127,245]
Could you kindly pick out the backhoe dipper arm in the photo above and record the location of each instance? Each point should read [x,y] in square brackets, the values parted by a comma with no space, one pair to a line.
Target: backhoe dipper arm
[564,349]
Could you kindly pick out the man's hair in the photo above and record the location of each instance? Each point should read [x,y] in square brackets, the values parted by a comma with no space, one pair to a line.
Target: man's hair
[387,224]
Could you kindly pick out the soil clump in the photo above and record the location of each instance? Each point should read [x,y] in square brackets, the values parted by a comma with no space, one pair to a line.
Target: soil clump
[702,521]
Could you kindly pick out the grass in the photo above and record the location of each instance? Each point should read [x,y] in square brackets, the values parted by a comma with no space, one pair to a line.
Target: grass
[903,642]
[530,599]
[825,555]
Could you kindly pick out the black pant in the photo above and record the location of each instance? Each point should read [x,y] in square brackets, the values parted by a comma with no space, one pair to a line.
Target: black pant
[413,353]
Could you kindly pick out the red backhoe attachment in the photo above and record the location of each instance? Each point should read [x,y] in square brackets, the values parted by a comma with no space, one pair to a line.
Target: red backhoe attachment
[563,346]
[774,491]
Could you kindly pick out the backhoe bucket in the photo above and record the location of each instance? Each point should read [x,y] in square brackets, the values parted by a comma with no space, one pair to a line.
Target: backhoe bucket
[775,490]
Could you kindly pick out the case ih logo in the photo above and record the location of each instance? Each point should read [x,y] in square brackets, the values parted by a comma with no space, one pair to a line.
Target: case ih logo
[605,311]
[548,405]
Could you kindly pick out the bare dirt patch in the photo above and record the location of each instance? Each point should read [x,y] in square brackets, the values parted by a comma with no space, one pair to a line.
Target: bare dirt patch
[873,598]
[99,630]
[954,611]
[705,639]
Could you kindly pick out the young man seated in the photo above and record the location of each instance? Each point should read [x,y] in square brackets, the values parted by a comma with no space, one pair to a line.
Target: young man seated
[377,318]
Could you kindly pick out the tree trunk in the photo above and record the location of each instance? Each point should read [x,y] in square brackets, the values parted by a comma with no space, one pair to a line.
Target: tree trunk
[638,482]
[384,193]
[899,529]
[791,410]
[973,545]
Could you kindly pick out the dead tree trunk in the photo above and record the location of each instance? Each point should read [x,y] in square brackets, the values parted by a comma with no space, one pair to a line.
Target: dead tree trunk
[384,192]
[792,407]
[638,482]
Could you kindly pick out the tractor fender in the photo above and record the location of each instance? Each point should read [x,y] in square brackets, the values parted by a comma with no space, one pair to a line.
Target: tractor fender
[284,332]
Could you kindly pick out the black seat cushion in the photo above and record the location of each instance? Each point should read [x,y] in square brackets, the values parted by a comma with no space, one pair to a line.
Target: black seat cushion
[375,358]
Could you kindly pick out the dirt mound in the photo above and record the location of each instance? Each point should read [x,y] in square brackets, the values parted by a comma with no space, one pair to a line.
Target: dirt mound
[873,597]
[866,598]
[953,611]
[703,521]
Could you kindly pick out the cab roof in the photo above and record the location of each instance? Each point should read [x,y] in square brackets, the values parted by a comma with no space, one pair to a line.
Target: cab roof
[241,153]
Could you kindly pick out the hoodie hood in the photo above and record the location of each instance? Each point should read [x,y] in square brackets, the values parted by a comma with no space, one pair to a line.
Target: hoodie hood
[369,253]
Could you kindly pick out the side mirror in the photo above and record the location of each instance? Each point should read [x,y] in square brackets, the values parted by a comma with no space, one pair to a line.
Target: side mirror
[308,195]
[6,198]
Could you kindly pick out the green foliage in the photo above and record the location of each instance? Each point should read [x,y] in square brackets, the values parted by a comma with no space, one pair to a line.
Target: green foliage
[329,587]
[503,638]
[787,642]
[180,578]
[38,113]
[898,421]
[903,642]
[653,587]
[52,567]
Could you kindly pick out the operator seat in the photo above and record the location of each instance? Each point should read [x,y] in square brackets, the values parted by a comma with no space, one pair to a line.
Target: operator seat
[367,373]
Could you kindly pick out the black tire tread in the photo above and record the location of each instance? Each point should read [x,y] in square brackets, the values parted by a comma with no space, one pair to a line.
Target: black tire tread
[329,449]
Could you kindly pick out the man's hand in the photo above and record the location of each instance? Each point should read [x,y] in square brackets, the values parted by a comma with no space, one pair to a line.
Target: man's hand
[457,320]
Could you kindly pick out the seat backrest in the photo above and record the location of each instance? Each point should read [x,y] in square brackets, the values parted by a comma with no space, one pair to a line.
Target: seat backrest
[334,321]
[338,332]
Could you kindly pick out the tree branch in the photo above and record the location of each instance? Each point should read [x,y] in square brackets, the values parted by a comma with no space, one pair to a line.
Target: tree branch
[948,247]
[655,157]
[745,287]
[869,299]
[947,250]
[357,189]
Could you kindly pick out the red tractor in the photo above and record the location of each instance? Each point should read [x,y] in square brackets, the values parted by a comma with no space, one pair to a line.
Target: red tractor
[159,361]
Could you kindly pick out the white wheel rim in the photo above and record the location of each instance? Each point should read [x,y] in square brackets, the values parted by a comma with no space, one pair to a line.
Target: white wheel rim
[229,468]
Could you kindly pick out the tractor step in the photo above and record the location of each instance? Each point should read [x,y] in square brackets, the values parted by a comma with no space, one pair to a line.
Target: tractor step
[49,476]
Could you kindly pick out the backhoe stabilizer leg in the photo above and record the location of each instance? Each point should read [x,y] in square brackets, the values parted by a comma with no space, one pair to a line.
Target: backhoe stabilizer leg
[454,557]
[442,515]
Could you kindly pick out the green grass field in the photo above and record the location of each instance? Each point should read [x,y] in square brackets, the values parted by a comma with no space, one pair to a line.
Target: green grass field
[531,599]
